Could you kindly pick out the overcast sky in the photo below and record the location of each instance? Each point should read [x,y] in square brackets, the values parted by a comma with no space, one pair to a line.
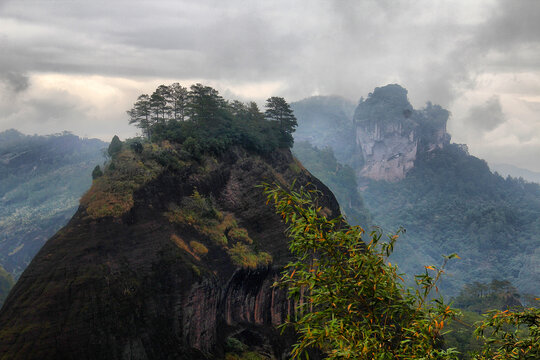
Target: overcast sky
[79,65]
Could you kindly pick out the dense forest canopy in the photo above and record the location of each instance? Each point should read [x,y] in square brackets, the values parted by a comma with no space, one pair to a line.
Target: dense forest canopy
[204,121]
[450,201]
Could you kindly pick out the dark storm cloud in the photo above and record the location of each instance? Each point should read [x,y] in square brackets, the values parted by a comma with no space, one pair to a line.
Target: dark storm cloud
[487,116]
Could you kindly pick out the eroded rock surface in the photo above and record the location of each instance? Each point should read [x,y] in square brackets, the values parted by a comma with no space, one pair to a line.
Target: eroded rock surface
[390,132]
[145,285]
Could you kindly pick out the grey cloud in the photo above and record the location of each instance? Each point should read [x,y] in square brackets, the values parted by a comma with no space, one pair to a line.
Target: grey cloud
[521,155]
[53,111]
[509,38]
[487,116]
[165,39]
[49,110]
[533,105]
[345,47]
[342,47]
[15,81]
[511,24]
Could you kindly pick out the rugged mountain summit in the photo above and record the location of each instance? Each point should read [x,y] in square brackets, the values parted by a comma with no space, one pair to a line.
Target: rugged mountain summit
[171,255]
[390,132]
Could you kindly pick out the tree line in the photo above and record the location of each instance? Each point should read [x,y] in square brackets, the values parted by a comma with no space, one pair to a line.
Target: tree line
[175,113]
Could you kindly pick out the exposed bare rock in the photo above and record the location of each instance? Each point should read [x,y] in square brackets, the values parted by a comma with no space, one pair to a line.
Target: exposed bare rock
[388,151]
[389,132]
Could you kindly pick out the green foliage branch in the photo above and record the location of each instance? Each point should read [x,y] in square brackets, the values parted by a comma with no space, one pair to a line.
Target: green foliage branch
[510,335]
[350,301]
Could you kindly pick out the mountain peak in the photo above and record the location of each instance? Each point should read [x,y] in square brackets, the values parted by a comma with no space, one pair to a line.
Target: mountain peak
[391,93]
[390,132]
[168,256]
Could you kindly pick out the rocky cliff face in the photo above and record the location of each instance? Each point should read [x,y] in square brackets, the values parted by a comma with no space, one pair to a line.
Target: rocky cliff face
[390,132]
[166,258]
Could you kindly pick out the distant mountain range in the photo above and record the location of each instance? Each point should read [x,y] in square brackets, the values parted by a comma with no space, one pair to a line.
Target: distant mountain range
[41,181]
[410,174]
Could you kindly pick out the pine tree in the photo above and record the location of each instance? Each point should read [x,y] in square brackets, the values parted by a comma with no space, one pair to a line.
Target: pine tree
[178,97]
[115,146]
[139,115]
[158,104]
[205,104]
[279,111]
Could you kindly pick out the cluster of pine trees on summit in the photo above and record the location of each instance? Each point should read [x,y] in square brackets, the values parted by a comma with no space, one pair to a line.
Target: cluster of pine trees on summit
[203,121]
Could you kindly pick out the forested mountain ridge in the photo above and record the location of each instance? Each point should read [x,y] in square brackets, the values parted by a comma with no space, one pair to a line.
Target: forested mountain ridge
[174,251]
[447,200]
[41,181]
[451,202]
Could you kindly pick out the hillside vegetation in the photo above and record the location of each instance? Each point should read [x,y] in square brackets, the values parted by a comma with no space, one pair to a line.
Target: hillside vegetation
[182,131]
[450,201]
[41,181]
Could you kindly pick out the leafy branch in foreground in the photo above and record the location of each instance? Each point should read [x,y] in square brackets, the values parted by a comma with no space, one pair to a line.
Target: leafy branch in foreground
[350,301]
[507,337]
